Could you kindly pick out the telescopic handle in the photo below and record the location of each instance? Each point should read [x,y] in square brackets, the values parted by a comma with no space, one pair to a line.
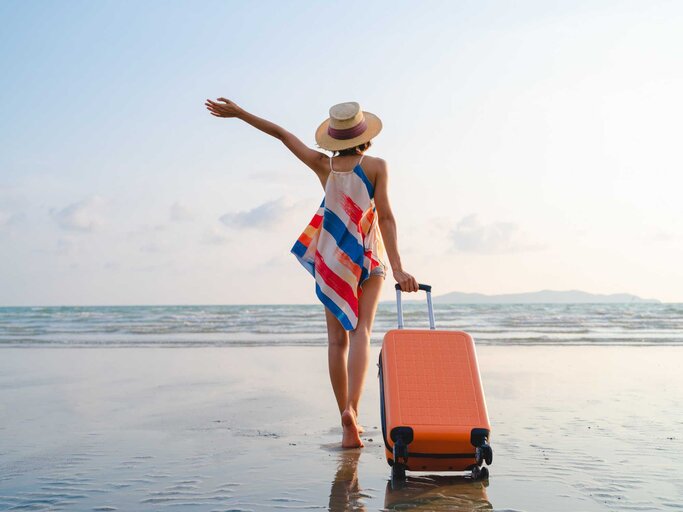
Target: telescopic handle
[424,287]
[420,286]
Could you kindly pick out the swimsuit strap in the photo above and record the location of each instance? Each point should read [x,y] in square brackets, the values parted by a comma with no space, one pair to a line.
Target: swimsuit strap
[359,161]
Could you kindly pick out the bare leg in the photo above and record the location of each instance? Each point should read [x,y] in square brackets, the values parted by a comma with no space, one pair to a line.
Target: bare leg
[358,359]
[337,350]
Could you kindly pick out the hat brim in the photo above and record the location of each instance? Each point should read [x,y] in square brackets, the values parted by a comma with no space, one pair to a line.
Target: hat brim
[374,126]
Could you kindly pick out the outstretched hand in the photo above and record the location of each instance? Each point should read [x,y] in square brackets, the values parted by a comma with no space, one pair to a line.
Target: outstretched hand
[406,281]
[225,109]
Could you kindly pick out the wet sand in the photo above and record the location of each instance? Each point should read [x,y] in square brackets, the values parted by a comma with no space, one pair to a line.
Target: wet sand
[215,429]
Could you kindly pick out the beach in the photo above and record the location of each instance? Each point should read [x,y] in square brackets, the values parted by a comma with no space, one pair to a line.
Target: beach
[256,428]
[162,347]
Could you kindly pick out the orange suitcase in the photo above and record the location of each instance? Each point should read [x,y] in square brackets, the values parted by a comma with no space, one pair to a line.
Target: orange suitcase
[432,404]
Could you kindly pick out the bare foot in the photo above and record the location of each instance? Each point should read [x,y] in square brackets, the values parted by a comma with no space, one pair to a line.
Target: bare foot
[358,425]
[351,437]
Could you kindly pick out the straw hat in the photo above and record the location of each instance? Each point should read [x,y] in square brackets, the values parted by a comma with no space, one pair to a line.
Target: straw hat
[347,126]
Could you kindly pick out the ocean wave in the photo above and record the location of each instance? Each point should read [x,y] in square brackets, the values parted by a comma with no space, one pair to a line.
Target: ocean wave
[250,325]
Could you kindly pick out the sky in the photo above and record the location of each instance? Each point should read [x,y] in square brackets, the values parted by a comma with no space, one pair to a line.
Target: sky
[530,145]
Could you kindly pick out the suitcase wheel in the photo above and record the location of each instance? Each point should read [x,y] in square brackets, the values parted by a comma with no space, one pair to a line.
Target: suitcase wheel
[488,454]
[482,454]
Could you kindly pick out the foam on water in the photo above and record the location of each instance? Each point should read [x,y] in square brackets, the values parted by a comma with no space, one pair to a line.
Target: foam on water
[522,324]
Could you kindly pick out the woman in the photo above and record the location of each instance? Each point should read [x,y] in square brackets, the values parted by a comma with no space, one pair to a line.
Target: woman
[344,245]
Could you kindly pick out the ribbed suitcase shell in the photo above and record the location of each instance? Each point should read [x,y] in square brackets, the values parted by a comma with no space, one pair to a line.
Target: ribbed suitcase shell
[429,382]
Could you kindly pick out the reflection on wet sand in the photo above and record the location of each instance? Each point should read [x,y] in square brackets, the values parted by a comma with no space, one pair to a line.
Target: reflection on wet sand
[452,493]
[431,492]
[345,493]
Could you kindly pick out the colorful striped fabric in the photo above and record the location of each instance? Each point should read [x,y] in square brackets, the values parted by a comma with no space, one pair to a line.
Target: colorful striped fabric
[342,244]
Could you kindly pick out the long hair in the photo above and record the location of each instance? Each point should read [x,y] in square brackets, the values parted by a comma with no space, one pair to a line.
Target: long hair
[356,150]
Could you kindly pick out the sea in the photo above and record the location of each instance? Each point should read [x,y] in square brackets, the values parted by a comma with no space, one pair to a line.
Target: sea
[259,325]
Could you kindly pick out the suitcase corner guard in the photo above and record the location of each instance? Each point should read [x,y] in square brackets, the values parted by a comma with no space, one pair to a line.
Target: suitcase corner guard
[402,437]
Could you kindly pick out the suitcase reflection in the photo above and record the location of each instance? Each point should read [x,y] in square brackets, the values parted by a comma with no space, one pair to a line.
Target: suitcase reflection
[424,492]
[436,492]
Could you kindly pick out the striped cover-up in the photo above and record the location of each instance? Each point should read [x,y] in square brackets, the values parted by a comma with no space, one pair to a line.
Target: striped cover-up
[342,244]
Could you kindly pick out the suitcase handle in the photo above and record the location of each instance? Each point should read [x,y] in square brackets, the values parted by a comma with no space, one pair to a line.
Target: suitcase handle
[425,287]
[420,286]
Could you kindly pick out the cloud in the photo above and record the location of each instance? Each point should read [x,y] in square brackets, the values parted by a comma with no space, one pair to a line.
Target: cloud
[152,238]
[84,216]
[152,247]
[10,219]
[65,245]
[266,216]
[470,235]
[215,236]
[146,230]
[180,213]
[663,236]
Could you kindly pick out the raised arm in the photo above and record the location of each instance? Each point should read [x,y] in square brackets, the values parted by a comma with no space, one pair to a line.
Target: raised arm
[387,225]
[316,160]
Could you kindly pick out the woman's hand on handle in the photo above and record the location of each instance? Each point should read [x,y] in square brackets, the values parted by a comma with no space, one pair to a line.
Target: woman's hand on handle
[407,282]
[225,109]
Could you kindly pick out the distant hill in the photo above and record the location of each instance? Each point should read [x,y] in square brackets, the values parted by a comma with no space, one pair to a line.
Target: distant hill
[543,296]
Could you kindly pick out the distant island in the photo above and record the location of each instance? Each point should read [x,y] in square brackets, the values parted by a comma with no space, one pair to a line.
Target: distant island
[541,297]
